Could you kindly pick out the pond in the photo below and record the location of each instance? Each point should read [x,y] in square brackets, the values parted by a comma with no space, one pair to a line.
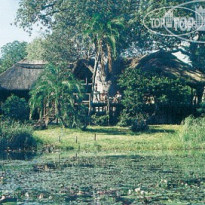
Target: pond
[101,179]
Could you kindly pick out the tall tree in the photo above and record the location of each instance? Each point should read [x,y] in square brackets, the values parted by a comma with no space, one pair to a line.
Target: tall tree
[105,35]
[11,54]
[111,28]
[106,23]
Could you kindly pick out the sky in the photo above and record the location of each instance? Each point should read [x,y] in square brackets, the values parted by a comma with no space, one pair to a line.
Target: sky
[8,32]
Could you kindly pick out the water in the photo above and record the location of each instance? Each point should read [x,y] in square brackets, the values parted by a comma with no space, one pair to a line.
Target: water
[138,178]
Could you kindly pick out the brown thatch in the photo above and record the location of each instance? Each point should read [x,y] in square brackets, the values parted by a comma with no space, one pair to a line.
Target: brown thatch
[168,65]
[24,74]
[21,76]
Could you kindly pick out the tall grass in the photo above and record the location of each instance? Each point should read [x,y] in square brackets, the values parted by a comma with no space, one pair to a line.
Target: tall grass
[193,132]
[16,136]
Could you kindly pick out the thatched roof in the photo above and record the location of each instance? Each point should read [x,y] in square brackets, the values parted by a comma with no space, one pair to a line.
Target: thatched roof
[21,76]
[167,64]
[25,73]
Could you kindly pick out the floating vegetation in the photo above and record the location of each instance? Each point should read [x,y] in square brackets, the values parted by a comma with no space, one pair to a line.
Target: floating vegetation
[108,180]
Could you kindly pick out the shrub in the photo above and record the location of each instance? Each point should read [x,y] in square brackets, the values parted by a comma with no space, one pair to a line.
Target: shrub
[193,130]
[15,136]
[16,108]
[201,109]
[146,93]
[139,124]
[125,119]
[100,120]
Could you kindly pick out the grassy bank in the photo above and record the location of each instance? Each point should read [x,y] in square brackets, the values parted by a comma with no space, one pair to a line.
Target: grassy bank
[115,139]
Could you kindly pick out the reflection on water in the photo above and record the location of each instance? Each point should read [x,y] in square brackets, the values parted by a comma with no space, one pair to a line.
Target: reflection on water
[141,178]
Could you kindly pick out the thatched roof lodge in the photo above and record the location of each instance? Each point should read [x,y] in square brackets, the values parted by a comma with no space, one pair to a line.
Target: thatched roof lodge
[20,78]
[168,65]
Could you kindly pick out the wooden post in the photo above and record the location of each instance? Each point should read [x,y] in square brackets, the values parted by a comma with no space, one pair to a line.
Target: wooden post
[89,108]
[108,104]
[76,139]
[95,137]
[59,158]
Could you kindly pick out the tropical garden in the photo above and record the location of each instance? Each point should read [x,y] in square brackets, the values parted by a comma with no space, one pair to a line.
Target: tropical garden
[54,150]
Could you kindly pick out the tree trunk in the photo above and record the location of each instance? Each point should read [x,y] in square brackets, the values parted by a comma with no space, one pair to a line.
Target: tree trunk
[94,73]
[102,78]
[109,53]
[59,115]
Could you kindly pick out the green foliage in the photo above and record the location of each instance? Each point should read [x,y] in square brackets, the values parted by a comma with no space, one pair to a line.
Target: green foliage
[193,131]
[100,20]
[15,136]
[196,53]
[35,50]
[125,119]
[139,125]
[16,108]
[105,31]
[144,93]
[11,54]
[201,109]
[60,48]
[116,23]
[54,91]
[100,120]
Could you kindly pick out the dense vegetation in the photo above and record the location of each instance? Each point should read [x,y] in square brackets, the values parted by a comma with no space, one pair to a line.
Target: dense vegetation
[35,50]
[131,172]
[103,31]
[146,94]
[12,53]
[16,136]
[15,108]
[60,94]
[193,131]
[15,133]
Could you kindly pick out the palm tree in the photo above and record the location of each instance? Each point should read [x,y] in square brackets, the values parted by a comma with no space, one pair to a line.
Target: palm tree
[105,34]
[53,94]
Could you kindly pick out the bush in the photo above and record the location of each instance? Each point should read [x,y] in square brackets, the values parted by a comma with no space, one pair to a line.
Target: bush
[193,130]
[139,125]
[15,136]
[125,119]
[100,120]
[16,108]
[147,93]
[201,109]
